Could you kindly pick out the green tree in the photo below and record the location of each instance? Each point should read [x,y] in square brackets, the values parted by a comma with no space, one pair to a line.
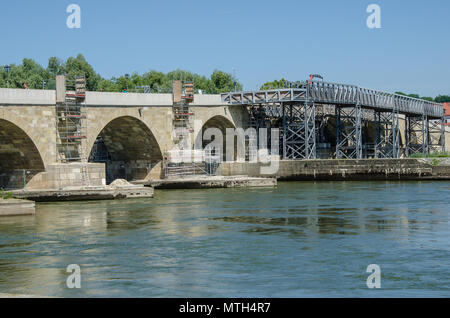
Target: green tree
[55,67]
[28,72]
[79,66]
[442,99]
[108,85]
[274,84]
[155,80]
[224,82]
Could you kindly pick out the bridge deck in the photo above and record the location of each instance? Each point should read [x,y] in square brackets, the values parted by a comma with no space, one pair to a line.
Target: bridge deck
[339,95]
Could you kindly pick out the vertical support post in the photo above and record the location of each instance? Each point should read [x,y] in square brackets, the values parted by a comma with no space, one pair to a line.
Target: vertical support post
[443,133]
[358,131]
[376,133]
[337,116]
[407,135]
[310,130]
[395,133]
[425,134]
[283,109]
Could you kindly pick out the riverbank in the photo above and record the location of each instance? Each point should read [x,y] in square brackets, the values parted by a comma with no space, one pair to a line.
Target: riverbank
[119,189]
[88,194]
[345,169]
[212,182]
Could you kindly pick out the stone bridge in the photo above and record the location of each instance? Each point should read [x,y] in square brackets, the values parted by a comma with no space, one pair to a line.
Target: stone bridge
[136,128]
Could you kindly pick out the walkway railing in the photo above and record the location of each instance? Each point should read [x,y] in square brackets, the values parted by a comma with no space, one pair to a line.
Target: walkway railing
[338,94]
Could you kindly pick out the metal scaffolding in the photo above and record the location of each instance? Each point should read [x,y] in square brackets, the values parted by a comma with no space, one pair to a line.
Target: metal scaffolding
[416,134]
[294,109]
[71,121]
[183,95]
[299,131]
[387,134]
[348,132]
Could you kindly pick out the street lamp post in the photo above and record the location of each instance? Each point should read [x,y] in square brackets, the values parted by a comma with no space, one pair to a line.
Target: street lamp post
[7,68]
[127,76]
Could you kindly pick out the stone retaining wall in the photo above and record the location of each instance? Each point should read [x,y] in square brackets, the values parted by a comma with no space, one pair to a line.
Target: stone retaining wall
[63,176]
[364,169]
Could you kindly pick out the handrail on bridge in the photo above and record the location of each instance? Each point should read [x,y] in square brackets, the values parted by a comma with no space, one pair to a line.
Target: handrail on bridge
[338,94]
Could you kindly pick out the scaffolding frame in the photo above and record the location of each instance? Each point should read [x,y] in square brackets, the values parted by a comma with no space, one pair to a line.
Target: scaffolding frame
[71,122]
[348,132]
[387,134]
[188,163]
[416,135]
[299,131]
[183,95]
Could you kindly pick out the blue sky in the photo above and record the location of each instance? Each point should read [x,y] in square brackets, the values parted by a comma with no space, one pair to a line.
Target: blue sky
[261,40]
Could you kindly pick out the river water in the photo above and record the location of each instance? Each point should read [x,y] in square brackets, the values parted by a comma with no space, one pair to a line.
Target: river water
[296,240]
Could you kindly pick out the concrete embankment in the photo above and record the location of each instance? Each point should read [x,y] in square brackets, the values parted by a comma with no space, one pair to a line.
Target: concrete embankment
[12,207]
[119,189]
[345,169]
[198,182]
[83,194]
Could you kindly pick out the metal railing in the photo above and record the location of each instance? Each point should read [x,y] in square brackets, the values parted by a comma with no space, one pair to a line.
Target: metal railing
[338,94]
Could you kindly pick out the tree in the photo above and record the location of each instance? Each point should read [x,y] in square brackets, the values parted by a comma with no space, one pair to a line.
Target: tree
[55,67]
[30,72]
[224,82]
[79,66]
[438,99]
[442,99]
[155,80]
[108,85]
[274,84]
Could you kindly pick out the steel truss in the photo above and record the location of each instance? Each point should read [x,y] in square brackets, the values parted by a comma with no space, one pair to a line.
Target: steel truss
[387,134]
[425,129]
[417,135]
[349,132]
[299,131]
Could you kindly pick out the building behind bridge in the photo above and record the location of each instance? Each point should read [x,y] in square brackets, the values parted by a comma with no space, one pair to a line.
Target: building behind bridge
[447,113]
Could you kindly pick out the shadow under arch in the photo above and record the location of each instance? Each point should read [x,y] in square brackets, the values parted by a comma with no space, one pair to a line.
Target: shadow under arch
[222,123]
[129,149]
[19,157]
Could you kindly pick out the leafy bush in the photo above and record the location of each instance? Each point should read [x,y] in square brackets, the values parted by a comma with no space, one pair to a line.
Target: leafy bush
[5,196]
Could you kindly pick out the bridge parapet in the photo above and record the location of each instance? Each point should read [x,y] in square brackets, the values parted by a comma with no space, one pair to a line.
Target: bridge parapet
[18,97]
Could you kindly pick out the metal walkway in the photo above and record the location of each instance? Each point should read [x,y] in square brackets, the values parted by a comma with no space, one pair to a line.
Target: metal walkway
[354,107]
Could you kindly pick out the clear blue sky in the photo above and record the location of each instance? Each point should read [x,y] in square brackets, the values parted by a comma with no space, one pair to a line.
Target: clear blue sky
[262,40]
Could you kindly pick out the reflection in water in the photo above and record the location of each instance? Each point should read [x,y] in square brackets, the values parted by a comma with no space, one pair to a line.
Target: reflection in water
[300,239]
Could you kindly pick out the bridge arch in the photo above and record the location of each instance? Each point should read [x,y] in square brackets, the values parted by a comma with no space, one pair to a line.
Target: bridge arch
[128,148]
[19,156]
[220,122]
